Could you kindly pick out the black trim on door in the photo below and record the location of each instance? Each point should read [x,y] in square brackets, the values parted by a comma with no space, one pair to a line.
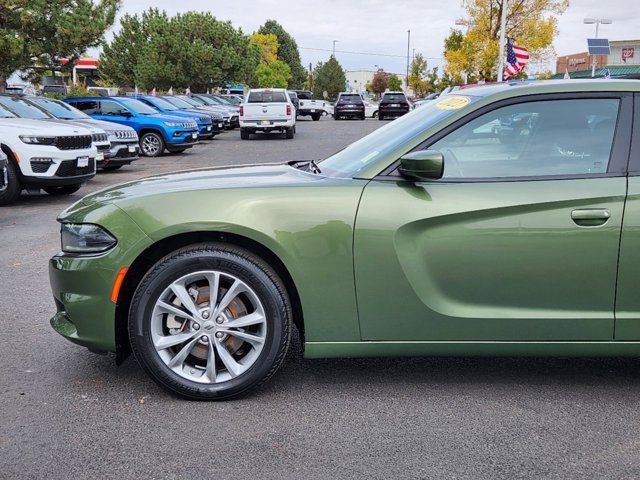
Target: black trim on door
[620,152]
[634,156]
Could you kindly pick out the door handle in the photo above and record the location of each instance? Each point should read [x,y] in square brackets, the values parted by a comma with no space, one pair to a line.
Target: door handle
[590,217]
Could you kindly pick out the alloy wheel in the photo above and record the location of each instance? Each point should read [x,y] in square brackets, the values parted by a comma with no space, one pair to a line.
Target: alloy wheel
[208,327]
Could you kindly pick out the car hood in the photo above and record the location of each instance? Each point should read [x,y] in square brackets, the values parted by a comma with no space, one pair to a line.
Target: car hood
[25,125]
[106,126]
[170,118]
[240,177]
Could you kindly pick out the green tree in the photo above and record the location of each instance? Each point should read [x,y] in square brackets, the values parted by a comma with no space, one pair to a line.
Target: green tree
[531,22]
[192,49]
[394,84]
[417,76]
[275,74]
[287,52]
[329,76]
[36,34]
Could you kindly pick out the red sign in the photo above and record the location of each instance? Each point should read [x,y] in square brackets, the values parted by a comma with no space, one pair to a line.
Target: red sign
[627,53]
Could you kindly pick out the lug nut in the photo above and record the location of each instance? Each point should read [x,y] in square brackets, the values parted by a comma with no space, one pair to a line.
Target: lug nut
[204,338]
[219,320]
[196,326]
[219,334]
[205,314]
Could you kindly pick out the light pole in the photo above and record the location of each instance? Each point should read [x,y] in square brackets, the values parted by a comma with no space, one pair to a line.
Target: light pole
[503,27]
[461,22]
[334,48]
[597,21]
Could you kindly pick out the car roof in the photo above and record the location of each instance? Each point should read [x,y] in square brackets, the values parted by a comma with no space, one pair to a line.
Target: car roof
[548,86]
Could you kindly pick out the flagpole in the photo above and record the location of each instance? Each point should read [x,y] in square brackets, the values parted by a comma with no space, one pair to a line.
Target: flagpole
[503,27]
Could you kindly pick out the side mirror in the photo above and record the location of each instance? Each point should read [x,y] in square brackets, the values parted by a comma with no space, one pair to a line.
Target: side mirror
[422,165]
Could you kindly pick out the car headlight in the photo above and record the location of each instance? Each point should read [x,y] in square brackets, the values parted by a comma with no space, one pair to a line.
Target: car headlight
[173,124]
[85,238]
[38,140]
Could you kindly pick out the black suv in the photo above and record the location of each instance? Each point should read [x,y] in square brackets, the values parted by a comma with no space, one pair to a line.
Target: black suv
[393,104]
[348,105]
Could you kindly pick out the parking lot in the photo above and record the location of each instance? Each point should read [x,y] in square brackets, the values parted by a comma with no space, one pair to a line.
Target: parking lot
[68,413]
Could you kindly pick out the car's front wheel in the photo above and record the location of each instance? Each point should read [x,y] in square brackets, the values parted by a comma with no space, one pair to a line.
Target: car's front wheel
[151,144]
[210,322]
[14,188]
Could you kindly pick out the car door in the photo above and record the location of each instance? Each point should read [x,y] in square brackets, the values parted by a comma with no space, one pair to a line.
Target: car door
[517,242]
[114,112]
[627,298]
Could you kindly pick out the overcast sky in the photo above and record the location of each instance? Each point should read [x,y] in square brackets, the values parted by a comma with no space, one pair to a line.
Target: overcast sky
[380,26]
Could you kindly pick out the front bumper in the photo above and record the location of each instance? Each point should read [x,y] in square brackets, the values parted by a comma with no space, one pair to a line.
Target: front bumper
[81,285]
[122,153]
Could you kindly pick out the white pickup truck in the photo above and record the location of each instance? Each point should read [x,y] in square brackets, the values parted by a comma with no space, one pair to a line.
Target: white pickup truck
[310,107]
[267,110]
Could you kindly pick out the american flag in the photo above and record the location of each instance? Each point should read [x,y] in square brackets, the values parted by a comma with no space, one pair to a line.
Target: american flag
[517,58]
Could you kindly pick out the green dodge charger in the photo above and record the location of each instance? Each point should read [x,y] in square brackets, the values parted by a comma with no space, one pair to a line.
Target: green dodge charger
[502,220]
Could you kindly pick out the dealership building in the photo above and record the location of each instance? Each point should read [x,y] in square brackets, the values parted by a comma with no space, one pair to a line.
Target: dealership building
[623,61]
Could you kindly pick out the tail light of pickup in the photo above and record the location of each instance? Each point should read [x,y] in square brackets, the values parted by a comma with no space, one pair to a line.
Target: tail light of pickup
[288,109]
[241,110]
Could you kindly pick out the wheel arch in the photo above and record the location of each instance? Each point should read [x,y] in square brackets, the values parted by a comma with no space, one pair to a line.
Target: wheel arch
[147,258]
[148,129]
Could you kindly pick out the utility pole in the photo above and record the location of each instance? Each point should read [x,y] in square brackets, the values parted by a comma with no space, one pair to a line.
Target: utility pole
[503,27]
[310,77]
[406,79]
[334,48]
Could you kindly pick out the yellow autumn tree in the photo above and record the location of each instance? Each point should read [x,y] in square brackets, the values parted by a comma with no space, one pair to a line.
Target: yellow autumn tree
[268,44]
[532,23]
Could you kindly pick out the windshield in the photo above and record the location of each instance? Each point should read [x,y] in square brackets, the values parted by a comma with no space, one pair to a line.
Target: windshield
[59,109]
[394,97]
[350,97]
[137,106]
[23,109]
[234,100]
[349,161]
[164,104]
[181,104]
[266,96]
[195,102]
[4,113]
[222,100]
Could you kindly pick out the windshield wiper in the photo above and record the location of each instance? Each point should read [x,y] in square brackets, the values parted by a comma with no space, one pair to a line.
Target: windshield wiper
[311,164]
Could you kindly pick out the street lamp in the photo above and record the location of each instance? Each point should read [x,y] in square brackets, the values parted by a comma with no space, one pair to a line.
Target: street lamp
[597,22]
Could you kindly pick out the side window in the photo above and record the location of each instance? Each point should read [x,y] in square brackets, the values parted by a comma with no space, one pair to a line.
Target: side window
[88,107]
[112,108]
[551,137]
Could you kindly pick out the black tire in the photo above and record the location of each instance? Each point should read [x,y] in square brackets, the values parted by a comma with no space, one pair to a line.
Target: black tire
[64,190]
[380,117]
[151,144]
[244,134]
[363,117]
[291,131]
[14,187]
[316,116]
[111,168]
[255,273]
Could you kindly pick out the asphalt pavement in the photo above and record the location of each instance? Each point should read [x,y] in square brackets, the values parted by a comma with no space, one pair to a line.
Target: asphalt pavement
[67,413]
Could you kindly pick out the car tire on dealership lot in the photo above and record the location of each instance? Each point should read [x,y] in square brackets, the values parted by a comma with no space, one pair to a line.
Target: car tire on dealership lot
[316,116]
[289,133]
[12,192]
[245,134]
[205,356]
[63,190]
[151,144]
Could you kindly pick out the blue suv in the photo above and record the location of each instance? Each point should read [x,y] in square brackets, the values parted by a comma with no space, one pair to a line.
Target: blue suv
[156,130]
[208,126]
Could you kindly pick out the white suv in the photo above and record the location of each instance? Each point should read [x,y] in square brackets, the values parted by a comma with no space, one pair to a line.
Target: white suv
[44,155]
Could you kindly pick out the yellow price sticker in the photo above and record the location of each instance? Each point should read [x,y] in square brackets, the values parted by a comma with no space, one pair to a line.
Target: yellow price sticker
[453,103]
